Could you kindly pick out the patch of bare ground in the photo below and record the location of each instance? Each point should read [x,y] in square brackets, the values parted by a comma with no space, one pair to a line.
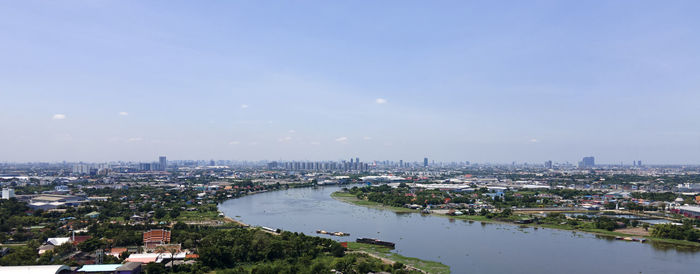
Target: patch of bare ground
[639,231]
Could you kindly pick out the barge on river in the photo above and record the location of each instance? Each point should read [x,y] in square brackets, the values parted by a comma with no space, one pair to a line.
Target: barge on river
[375,242]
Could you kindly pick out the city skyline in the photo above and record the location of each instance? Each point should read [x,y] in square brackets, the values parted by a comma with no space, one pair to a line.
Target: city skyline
[480,82]
[161,162]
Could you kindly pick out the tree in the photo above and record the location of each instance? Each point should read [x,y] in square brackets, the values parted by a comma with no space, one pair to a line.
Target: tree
[172,249]
[124,255]
[90,245]
[174,213]
[506,212]
[160,213]
[154,268]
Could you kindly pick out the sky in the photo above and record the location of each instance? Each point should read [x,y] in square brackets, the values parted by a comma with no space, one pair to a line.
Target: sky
[479,81]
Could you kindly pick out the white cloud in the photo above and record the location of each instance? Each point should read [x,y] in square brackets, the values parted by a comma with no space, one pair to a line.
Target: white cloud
[341,139]
[292,131]
[135,139]
[244,106]
[285,139]
[366,138]
[123,113]
[533,140]
[380,101]
[58,117]
[234,143]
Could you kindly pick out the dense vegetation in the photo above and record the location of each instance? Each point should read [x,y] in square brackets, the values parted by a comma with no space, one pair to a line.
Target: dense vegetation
[678,232]
[260,252]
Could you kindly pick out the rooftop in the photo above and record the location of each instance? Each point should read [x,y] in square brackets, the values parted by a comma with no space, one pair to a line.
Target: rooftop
[99,267]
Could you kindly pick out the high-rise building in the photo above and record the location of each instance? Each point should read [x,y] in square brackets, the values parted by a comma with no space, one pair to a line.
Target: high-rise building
[587,162]
[163,163]
[425,162]
[144,166]
[548,164]
[81,169]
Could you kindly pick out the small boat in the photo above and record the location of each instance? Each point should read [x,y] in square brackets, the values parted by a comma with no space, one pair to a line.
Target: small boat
[339,234]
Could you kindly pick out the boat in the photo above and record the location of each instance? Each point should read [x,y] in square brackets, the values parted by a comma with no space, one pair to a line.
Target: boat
[375,242]
[339,234]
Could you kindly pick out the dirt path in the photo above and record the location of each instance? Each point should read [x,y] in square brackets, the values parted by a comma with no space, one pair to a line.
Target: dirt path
[385,260]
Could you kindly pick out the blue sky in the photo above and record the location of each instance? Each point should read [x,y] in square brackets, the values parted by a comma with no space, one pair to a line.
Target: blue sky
[480,81]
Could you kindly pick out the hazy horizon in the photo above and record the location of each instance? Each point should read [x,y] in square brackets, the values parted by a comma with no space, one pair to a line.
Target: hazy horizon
[524,81]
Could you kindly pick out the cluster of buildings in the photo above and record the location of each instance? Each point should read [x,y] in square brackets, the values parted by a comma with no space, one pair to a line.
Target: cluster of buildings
[352,165]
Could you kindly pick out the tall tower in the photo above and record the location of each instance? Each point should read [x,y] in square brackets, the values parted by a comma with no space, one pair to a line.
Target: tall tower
[425,162]
[163,163]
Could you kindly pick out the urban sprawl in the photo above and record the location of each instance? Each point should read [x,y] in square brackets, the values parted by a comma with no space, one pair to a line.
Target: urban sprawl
[163,216]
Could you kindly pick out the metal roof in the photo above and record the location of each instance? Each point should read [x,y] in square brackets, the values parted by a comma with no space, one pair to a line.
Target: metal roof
[99,267]
[35,269]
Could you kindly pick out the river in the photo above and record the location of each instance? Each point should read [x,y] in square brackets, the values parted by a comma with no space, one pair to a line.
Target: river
[467,247]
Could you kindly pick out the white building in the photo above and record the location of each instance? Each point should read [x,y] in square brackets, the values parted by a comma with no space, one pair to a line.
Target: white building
[8,193]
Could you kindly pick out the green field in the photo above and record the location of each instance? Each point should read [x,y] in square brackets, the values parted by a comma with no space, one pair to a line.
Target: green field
[198,216]
[384,252]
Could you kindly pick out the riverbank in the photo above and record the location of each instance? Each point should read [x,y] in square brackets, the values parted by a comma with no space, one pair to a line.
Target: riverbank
[385,254]
[378,252]
[352,199]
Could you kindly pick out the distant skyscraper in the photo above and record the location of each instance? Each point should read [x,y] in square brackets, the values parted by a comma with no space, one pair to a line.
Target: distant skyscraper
[588,162]
[144,166]
[425,162]
[639,163]
[548,164]
[163,163]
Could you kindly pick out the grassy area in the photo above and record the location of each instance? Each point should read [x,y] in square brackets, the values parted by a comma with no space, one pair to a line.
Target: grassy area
[349,198]
[357,260]
[384,252]
[198,216]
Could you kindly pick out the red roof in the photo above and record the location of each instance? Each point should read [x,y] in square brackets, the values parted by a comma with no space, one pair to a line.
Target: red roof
[156,235]
[80,239]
